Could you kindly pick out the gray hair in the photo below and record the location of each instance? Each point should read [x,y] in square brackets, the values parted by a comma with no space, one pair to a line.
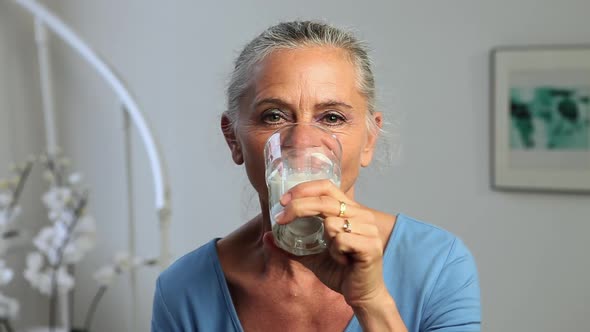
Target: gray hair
[298,34]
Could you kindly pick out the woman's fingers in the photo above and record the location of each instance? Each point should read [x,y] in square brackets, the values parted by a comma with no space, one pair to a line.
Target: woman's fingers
[324,206]
[362,242]
[362,249]
[336,225]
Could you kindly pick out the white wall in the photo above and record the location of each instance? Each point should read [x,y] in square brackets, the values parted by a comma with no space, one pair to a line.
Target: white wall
[432,72]
[21,135]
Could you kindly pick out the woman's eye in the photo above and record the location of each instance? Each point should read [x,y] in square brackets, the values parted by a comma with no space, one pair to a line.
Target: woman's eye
[273,116]
[333,119]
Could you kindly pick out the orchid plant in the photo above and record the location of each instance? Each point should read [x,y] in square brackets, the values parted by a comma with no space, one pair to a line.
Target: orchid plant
[68,237]
[58,246]
[10,193]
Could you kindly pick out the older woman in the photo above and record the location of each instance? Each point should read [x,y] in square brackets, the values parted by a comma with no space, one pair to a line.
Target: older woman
[380,272]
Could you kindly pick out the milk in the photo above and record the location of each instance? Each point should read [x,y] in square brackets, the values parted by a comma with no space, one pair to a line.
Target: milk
[302,233]
[277,187]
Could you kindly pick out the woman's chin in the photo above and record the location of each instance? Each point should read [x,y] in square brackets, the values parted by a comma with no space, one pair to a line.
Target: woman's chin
[269,240]
[269,245]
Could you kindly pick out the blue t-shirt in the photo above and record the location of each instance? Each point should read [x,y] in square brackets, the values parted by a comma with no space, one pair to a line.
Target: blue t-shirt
[429,272]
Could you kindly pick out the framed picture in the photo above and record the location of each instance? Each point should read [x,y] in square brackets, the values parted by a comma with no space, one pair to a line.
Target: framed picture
[541,118]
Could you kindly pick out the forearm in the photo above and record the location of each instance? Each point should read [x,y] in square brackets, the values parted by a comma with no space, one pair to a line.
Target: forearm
[379,315]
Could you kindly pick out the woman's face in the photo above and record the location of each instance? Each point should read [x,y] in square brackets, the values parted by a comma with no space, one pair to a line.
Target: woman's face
[307,85]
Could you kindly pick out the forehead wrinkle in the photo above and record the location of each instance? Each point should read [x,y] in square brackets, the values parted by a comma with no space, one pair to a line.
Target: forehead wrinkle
[302,89]
[259,95]
[302,83]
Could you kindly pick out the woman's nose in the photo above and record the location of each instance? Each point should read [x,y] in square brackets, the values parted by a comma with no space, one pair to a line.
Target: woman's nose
[303,135]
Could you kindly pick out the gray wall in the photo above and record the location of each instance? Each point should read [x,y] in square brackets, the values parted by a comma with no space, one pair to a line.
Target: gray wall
[432,72]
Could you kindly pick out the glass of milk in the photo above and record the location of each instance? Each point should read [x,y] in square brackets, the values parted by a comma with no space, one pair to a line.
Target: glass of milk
[294,154]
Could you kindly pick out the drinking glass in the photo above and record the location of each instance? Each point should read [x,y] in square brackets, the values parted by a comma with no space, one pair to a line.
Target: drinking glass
[295,154]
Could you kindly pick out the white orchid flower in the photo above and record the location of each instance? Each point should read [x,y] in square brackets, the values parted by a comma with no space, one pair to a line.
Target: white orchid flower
[139,261]
[4,218]
[123,260]
[33,276]
[71,254]
[75,178]
[65,281]
[44,239]
[9,307]
[64,216]
[85,242]
[52,256]
[86,224]
[8,216]
[43,280]
[53,215]
[76,248]
[57,197]
[5,199]
[6,274]
[34,261]
[105,275]
[48,176]
[16,211]
[60,234]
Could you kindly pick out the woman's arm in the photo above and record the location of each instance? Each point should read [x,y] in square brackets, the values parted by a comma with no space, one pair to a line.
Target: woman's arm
[380,314]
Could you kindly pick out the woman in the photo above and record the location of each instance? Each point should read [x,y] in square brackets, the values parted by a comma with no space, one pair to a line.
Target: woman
[380,272]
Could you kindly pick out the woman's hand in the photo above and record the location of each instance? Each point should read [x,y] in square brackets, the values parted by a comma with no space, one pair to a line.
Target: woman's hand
[352,265]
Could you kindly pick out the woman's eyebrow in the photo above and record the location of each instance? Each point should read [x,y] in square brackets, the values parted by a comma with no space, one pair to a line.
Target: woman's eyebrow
[319,106]
[332,103]
[273,101]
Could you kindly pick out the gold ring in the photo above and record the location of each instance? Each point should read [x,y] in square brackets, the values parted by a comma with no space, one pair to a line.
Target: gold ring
[342,209]
[347,226]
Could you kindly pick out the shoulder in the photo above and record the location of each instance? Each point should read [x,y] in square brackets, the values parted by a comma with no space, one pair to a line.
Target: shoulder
[189,269]
[426,250]
[191,295]
[418,228]
[412,237]
[426,234]
[434,270]
[188,287]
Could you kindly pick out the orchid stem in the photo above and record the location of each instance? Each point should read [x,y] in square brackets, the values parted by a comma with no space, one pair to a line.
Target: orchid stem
[93,306]
[21,184]
[7,326]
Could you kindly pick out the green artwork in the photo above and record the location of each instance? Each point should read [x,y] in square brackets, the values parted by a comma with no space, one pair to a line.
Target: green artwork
[550,118]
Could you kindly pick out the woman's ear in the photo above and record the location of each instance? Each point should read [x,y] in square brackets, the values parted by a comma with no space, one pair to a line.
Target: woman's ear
[230,138]
[373,135]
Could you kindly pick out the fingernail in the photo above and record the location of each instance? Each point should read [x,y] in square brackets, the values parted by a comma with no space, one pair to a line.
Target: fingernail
[286,198]
[279,216]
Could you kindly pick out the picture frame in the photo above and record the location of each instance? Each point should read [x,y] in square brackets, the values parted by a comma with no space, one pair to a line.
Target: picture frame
[540,117]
